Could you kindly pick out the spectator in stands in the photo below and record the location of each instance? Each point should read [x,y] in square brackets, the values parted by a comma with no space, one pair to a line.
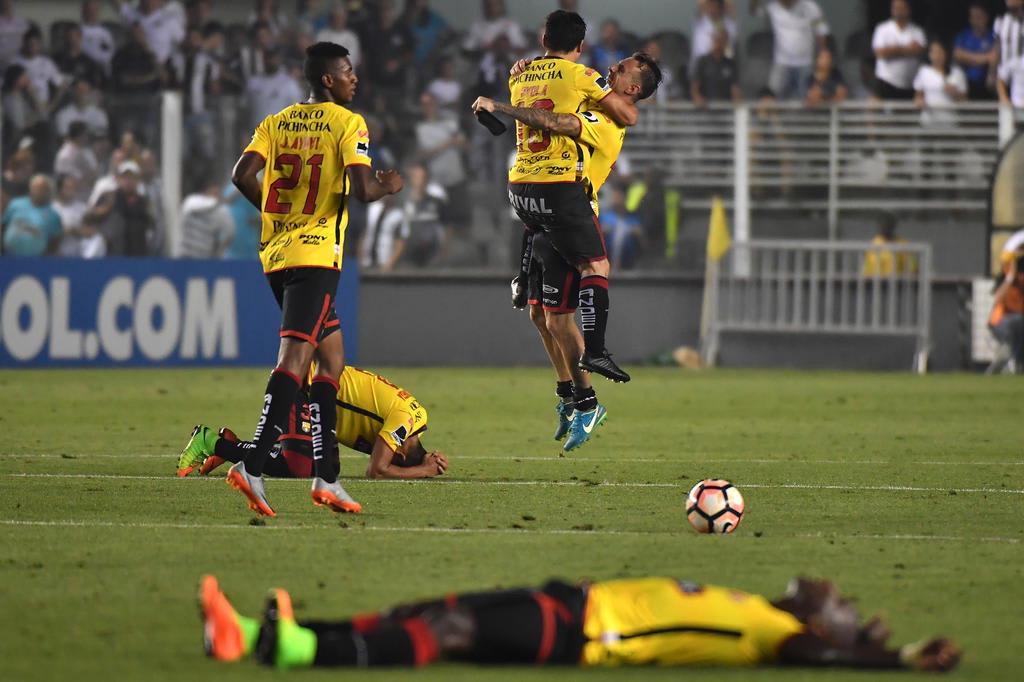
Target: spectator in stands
[268,12]
[198,13]
[23,114]
[337,31]
[1006,322]
[80,240]
[938,86]
[388,49]
[204,90]
[1009,30]
[309,16]
[19,169]
[623,233]
[657,207]
[489,153]
[716,78]
[798,26]
[880,260]
[429,32]
[439,146]
[976,52]
[386,231]
[826,86]
[136,79]
[152,187]
[674,85]
[495,25]
[898,45]
[108,181]
[31,226]
[12,32]
[250,54]
[162,23]
[76,159]
[611,49]
[712,16]
[126,215]
[247,224]
[207,227]
[273,91]
[446,88]
[97,43]
[75,64]
[426,212]
[47,82]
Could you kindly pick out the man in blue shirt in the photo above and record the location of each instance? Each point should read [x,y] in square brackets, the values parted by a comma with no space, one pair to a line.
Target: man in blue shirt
[975,52]
[610,50]
[31,226]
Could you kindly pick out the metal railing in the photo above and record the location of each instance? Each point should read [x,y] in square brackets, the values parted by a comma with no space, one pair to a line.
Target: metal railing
[822,287]
[855,156]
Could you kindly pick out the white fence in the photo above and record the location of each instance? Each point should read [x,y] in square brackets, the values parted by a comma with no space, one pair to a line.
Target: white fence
[821,287]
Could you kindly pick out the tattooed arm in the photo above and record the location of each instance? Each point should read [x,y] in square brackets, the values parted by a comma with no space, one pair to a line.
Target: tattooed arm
[538,119]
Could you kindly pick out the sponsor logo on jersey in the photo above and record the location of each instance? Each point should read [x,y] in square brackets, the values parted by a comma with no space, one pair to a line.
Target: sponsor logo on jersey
[602,83]
[311,239]
[363,148]
[400,434]
[589,116]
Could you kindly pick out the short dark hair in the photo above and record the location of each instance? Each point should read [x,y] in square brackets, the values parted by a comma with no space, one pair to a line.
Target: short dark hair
[77,129]
[563,31]
[318,59]
[650,74]
[212,28]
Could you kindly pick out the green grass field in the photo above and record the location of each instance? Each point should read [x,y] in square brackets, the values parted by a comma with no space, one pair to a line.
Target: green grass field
[908,491]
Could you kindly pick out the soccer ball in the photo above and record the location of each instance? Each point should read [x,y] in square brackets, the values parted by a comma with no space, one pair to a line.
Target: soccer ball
[714,506]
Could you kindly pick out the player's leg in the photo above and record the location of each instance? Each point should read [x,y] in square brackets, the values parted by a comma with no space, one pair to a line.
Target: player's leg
[306,296]
[594,305]
[588,413]
[519,289]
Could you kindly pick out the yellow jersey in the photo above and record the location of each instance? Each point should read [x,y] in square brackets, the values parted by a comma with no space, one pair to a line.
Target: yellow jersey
[370,406]
[604,137]
[306,148]
[663,621]
[561,86]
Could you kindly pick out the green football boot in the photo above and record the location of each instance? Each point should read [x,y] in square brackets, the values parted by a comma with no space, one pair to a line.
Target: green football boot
[283,643]
[200,446]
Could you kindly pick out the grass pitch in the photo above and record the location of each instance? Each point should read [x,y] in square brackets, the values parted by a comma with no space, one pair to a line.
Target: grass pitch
[908,491]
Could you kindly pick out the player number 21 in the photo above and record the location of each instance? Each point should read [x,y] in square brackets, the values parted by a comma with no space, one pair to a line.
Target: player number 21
[291,180]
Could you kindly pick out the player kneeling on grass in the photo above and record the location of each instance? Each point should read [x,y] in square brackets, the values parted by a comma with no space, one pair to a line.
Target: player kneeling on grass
[632,622]
[374,417]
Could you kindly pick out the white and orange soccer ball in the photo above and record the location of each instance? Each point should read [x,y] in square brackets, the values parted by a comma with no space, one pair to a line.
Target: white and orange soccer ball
[714,506]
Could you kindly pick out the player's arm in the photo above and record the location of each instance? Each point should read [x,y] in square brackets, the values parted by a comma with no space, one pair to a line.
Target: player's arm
[538,119]
[382,464]
[369,185]
[808,649]
[244,177]
[620,109]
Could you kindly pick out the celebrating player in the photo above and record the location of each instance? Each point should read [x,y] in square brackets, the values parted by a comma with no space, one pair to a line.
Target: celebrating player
[309,154]
[632,622]
[374,417]
[554,284]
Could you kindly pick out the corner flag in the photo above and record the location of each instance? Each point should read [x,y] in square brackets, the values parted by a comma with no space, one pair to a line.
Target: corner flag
[719,240]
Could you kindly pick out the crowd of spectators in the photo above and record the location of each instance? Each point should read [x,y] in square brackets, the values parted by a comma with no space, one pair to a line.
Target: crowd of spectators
[81,111]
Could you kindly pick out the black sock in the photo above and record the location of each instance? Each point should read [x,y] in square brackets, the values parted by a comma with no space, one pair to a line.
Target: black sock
[586,399]
[323,419]
[391,644]
[563,389]
[525,258]
[594,312]
[278,400]
[232,451]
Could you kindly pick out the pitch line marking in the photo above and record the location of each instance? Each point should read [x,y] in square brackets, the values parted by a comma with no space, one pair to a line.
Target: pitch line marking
[607,460]
[71,523]
[571,484]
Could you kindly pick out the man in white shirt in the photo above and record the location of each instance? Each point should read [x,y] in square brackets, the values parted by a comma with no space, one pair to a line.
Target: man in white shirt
[337,31]
[163,23]
[1009,30]
[495,24]
[711,16]
[799,28]
[274,90]
[43,74]
[898,46]
[97,43]
[12,30]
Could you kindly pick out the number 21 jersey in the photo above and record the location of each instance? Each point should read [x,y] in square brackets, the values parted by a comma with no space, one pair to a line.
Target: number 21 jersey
[561,86]
[306,148]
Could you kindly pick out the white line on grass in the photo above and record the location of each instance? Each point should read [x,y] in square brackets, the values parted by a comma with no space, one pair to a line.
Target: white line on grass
[572,484]
[599,460]
[70,523]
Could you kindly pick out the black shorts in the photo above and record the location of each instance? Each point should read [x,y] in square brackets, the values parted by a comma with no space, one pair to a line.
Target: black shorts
[554,284]
[306,299]
[888,91]
[562,210]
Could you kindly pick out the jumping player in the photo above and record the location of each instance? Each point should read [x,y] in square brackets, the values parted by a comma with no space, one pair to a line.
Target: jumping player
[554,284]
[631,622]
[548,191]
[313,155]
[374,417]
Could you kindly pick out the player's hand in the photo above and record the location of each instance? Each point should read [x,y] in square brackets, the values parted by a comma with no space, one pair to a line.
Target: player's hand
[935,655]
[483,104]
[391,180]
[874,633]
[436,462]
[519,67]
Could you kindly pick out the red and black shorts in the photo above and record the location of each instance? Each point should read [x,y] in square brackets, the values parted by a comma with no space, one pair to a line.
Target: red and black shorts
[306,298]
[554,284]
[562,211]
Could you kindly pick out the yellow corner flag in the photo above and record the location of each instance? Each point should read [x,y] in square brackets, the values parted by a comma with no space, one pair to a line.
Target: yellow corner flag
[719,240]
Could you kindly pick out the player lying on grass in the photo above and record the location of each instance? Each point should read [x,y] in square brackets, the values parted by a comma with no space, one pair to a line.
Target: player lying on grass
[633,622]
[374,417]
[553,290]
